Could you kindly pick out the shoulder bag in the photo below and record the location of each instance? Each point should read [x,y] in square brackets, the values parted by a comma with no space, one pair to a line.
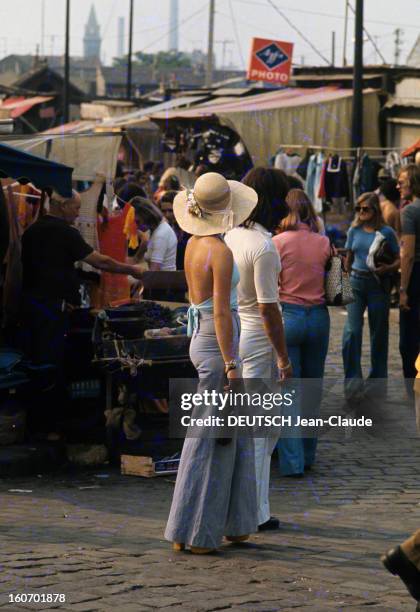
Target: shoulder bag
[338,291]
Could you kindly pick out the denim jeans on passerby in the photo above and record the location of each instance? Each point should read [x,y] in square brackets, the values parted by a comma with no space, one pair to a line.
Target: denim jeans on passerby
[369,294]
[307,331]
[410,327]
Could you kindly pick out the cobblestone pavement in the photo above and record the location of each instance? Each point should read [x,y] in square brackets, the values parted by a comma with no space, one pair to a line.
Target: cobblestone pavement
[102,545]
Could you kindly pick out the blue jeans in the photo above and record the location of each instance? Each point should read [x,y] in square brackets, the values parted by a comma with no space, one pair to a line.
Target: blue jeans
[307,331]
[410,327]
[368,294]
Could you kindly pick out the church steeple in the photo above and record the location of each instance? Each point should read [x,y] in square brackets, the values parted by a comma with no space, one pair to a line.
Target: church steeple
[92,38]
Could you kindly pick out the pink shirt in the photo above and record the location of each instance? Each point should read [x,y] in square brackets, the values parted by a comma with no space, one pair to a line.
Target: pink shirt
[304,255]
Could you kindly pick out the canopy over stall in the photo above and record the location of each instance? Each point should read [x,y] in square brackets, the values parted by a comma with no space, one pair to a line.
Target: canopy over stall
[412,149]
[91,155]
[28,168]
[318,116]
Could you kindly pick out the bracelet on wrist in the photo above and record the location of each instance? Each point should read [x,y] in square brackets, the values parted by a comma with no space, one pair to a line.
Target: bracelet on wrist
[286,367]
[233,364]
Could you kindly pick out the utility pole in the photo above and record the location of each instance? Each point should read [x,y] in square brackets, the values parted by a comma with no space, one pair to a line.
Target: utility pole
[66,97]
[332,48]
[224,44]
[209,71]
[130,50]
[398,45]
[43,28]
[357,114]
[346,20]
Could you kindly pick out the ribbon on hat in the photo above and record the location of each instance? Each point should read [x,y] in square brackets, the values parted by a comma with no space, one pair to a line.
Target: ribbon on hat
[192,204]
[199,211]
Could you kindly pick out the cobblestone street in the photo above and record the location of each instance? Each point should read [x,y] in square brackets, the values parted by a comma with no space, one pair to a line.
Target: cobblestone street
[100,541]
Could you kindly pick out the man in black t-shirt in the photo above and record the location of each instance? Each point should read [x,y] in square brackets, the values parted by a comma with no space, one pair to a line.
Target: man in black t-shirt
[50,248]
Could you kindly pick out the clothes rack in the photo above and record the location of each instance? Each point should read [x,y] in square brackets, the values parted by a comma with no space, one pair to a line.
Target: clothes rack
[328,148]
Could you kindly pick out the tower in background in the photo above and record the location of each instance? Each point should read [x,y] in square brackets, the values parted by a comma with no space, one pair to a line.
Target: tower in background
[173,24]
[121,33]
[92,37]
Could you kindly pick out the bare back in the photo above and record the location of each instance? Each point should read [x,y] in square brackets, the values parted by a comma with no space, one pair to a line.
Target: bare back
[203,256]
[391,215]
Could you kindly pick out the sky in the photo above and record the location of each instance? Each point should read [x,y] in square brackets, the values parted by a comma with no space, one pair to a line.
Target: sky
[236,22]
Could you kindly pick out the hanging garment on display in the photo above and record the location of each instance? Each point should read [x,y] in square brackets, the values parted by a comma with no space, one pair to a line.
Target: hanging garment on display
[313,180]
[113,242]
[288,162]
[368,174]
[336,181]
[302,169]
[4,231]
[13,280]
[393,164]
[87,222]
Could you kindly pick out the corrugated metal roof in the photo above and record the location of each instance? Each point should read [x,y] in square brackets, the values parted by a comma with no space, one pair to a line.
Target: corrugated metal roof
[288,97]
[169,105]
[332,77]
[232,91]
[20,105]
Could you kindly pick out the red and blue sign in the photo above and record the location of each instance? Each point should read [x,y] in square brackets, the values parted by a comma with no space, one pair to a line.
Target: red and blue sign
[270,61]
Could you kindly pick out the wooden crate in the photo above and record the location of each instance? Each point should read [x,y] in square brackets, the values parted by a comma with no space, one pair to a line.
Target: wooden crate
[132,465]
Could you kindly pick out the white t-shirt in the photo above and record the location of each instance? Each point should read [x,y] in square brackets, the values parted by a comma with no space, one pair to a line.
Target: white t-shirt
[162,246]
[259,268]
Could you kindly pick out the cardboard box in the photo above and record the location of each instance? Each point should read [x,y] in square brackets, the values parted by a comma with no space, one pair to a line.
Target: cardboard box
[132,465]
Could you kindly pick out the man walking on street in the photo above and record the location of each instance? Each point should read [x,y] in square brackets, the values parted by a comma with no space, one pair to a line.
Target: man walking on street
[409,186]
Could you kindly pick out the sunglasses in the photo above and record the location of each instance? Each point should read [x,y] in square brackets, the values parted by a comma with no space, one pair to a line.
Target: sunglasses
[363,209]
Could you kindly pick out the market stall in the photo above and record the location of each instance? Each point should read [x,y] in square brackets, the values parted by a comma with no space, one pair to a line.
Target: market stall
[319,116]
[124,357]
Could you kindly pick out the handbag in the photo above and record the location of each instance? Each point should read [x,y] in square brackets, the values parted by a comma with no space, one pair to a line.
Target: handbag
[381,253]
[338,291]
[384,255]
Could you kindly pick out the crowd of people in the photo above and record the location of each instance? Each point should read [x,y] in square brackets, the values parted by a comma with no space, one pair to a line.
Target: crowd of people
[261,253]
[255,255]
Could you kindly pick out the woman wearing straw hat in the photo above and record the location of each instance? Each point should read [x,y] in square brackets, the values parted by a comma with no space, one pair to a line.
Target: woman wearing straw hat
[214,494]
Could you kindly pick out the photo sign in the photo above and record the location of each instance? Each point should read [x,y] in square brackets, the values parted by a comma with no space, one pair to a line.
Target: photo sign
[270,61]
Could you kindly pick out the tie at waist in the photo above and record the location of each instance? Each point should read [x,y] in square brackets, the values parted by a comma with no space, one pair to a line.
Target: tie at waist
[193,316]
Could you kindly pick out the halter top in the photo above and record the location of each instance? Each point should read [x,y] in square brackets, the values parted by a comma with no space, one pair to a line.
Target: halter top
[207,306]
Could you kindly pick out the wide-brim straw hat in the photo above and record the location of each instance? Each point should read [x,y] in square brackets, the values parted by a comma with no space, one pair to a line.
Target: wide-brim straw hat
[214,206]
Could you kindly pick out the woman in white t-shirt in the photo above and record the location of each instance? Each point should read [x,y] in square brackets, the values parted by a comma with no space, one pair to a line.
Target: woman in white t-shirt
[161,248]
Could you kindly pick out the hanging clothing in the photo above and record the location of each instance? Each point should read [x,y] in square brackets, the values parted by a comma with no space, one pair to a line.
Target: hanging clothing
[13,280]
[336,181]
[113,242]
[393,164]
[313,179]
[4,231]
[87,222]
[288,162]
[366,175]
[302,169]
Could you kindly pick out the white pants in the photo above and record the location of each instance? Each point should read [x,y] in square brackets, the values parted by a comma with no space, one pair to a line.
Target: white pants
[258,361]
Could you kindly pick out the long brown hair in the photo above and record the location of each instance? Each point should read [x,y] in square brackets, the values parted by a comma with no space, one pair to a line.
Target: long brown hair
[271,187]
[301,211]
[413,175]
[371,199]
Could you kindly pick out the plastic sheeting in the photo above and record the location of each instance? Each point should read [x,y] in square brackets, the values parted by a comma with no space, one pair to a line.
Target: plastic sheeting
[323,123]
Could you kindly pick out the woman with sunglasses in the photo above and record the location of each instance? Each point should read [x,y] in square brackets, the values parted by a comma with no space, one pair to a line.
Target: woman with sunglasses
[368,293]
